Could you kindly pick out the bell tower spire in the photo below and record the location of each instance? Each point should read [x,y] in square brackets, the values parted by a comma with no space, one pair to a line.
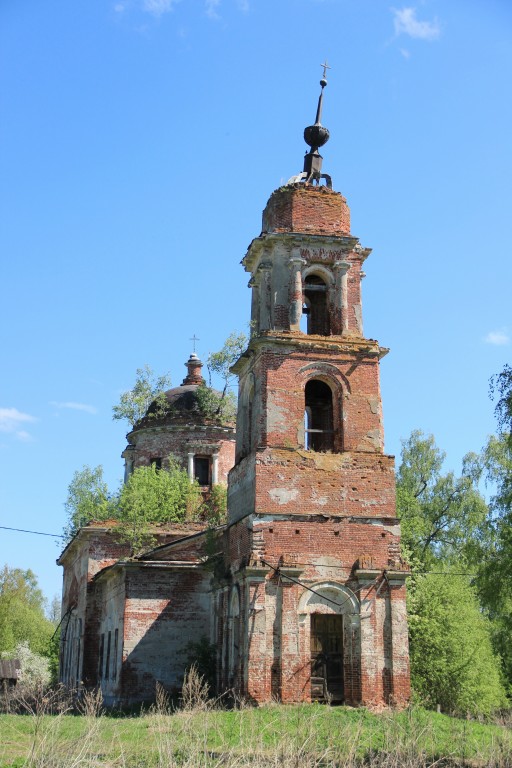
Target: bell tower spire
[311,498]
[316,136]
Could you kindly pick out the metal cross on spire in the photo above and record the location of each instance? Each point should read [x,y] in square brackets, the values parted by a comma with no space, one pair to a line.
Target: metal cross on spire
[325,66]
[316,136]
[193,340]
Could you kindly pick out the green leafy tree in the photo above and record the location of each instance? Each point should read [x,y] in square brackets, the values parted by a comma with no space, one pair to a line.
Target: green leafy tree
[452,659]
[88,499]
[444,528]
[214,508]
[501,391]
[440,513]
[495,551]
[221,405]
[153,496]
[22,612]
[148,388]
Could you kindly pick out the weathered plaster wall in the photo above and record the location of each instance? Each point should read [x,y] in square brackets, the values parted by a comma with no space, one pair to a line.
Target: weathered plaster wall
[93,549]
[107,640]
[241,489]
[165,611]
[305,482]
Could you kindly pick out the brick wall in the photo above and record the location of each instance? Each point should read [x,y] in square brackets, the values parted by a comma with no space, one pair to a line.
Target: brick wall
[324,553]
[179,440]
[165,611]
[309,209]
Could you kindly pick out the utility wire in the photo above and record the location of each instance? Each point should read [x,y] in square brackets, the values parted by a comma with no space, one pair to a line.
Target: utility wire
[418,573]
[313,565]
[319,594]
[38,533]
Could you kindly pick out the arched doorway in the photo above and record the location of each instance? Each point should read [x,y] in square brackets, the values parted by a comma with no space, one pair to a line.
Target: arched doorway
[333,612]
[327,678]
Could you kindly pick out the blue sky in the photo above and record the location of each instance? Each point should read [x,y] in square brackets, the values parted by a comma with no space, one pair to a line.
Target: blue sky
[139,143]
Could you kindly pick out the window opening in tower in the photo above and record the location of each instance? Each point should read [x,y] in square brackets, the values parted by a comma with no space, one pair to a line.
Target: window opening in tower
[315,306]
[319,432]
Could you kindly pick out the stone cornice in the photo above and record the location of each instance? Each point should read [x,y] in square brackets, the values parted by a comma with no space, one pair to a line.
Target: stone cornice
[354,346]
[188,427]
[346,243]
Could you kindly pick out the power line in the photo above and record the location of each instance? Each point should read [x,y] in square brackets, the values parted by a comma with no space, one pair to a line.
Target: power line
[313,565]
[371,585]
[38,533]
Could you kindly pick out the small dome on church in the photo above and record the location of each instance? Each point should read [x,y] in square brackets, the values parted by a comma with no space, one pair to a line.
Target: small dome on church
[181,405]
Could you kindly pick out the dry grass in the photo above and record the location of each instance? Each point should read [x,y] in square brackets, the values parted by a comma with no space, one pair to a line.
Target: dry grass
[200,734]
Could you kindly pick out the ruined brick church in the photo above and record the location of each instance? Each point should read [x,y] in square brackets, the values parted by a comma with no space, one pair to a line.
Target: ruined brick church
[304,598]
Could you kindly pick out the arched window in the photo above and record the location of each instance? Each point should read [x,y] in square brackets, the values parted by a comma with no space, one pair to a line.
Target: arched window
[315,305]
[319,427]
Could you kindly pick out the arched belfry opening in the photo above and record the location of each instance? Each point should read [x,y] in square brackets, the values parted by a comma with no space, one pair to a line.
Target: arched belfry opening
[319,421]
[315,306]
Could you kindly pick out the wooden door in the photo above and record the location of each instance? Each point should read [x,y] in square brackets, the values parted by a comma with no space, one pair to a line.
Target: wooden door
[326,658]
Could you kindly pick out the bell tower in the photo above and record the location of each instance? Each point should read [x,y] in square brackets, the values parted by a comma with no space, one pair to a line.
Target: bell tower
[312,603]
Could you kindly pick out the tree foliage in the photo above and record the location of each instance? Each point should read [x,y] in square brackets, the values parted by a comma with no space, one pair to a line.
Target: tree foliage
[444,530]
[149,497]
[501,392]
[22,612]
[148,388]
[494,562]
[452,660]
[440,513]
[153,496]
[88,499]
[222,405]
[35,669]
[214,509]
[218,406]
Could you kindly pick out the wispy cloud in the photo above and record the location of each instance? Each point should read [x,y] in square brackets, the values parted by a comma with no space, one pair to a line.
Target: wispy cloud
[243,5]
[158,7]
[11,421]
[406,23]
[211,8]
[75,406]
[498,338]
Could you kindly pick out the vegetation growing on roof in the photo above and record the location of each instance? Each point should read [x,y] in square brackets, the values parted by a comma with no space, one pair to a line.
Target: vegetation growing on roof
[148,389]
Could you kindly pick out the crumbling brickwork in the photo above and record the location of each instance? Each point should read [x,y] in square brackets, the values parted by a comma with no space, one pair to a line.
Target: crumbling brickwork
[312,601]
[307,209]
[302,593]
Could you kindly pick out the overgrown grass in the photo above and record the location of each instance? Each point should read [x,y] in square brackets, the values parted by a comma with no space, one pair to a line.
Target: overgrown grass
[310,736]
